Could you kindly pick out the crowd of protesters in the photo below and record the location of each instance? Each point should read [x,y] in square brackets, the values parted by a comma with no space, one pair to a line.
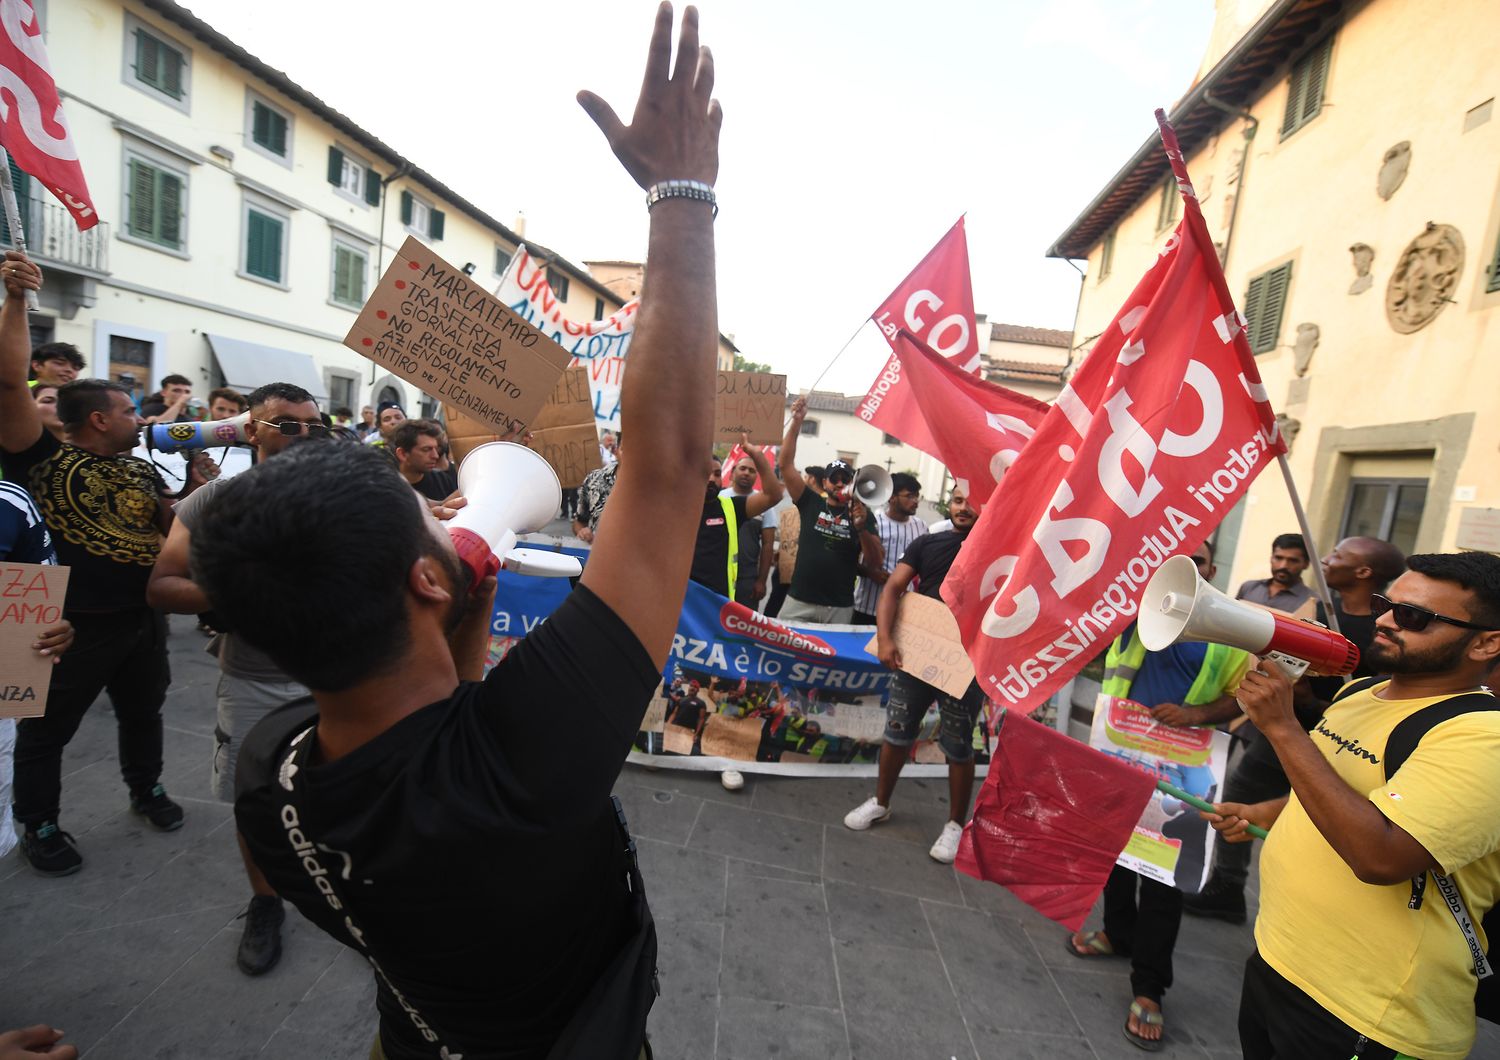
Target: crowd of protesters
[409,804]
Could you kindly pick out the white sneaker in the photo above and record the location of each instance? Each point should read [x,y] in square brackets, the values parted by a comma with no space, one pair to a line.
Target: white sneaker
[865,814]
[946,847]
[732,779]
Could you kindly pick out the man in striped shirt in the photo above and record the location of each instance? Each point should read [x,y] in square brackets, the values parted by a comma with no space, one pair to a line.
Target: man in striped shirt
[897,526]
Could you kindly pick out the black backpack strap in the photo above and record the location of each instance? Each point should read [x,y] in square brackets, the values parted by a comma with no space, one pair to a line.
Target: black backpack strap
[1363,684]
[1409,730]
[1408,733]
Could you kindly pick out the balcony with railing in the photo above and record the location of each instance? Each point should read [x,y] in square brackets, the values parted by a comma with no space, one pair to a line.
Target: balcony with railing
[53,239]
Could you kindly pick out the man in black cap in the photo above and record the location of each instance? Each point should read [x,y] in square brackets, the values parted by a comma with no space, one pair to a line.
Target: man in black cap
[836,531]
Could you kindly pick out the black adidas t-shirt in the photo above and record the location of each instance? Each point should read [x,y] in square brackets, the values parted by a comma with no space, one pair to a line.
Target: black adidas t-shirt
[931,556]
[484,863]
[102,512]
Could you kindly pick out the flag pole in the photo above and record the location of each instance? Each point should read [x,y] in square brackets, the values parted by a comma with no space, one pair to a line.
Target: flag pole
[828,367]
[13,219]
[1193,222]
[1198,804]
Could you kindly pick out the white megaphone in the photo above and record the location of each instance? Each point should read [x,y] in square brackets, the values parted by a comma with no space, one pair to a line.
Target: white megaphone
[511,490]
[872,486]
[175,437]
[1179,605]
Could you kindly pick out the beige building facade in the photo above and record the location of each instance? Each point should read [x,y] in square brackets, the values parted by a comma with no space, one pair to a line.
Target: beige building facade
[1347,157]
[245,220]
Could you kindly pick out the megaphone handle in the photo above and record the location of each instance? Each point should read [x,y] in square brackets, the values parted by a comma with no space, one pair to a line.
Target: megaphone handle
[476,555]
[1198,804]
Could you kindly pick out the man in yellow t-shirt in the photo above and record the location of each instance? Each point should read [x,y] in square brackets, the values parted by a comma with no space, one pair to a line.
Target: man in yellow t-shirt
[1343,967]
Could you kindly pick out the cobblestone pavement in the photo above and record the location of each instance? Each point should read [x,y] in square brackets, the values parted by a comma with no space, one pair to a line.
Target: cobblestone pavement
[782,933]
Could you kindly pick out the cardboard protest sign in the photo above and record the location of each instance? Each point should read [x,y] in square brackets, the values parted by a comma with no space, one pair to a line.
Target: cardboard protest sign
[31,602]
[563,430]
[727,737]
[752,403]
[927,636]
[677,739]
[433,326]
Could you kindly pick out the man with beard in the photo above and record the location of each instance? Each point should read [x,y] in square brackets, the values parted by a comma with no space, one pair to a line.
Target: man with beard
[757,535]
[717,557]
[1284,589]
[420,811]
[106,511]
[835,535]
[897,527]
[1356,569]
[251,685]
[926,561]
[1371,874]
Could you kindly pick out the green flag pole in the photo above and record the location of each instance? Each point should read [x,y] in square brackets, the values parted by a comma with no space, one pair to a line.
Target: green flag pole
[1192,800]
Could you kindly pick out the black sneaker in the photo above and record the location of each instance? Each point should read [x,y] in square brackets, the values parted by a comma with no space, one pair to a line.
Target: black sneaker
[1218,901]
[260,945]
[51,851]
[159,811]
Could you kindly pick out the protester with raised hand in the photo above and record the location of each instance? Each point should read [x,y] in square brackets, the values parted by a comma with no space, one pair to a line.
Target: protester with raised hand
[105,510]
[432,821]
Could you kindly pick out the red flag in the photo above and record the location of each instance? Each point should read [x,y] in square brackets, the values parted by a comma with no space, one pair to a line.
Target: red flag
[32,127]
[978,427]
[1145,451]
[936,304]
[1051,819]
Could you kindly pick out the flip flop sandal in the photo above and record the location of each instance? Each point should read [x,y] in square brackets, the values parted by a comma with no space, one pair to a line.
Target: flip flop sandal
[1096,941]
[1150,1019]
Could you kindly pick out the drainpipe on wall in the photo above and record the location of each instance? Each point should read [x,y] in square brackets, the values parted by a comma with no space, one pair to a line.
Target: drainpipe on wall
[1252,124]
[400,171]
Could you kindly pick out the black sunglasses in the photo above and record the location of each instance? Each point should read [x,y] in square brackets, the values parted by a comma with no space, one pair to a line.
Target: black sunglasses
[1415,619]
[294,428]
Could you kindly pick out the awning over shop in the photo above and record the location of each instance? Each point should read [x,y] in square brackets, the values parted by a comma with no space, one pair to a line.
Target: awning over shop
[247,365]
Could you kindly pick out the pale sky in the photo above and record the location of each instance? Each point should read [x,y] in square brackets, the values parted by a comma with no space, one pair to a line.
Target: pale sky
[855,134]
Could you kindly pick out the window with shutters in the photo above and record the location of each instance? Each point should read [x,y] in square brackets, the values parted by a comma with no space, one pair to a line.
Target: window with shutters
[502,260]
[1169,206]
[420,217]
[268,129]
[1106,255]
[156,64]
[264,251]
[155,203]
[350,264]
[598,309]
[558,281]
[353,178]
[1306,85]
[22,185]
[1265,301]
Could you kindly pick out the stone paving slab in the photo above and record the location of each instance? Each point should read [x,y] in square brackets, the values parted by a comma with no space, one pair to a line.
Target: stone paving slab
[782,933]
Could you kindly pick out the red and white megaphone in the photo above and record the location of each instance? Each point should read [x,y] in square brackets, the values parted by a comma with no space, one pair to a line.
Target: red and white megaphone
[511,490]
[175,437]
[1178,605]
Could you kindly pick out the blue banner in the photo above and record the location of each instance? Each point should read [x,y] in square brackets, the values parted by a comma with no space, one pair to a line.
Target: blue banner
[717,636]
[522,601]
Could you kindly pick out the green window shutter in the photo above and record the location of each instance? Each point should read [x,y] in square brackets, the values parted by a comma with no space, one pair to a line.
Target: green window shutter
[502,261]
[1255,300]
[435,226]
[1306,86]
[263,246]
[269,129]
[147,58]
[1494,271]
[169,209]
[346,278]
[171,69]
[335,167]
[406,207]
[372,187]
[22,184]
[142,219]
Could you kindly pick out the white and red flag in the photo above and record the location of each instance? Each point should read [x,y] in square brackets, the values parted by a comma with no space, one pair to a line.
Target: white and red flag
[977,428]
[1146,449]
[936,304]
[32,127]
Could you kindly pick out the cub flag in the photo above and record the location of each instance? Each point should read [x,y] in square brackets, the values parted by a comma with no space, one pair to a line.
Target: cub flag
[1147,448]
[936,304]
[978,428]
[32,127]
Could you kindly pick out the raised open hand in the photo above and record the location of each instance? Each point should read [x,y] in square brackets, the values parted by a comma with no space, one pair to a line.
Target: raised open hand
[674,133]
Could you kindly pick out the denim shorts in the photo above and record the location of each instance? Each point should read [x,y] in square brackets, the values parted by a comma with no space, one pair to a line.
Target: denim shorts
[907,706]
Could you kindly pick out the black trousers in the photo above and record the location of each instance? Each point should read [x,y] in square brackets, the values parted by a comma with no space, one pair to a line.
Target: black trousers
[778,593]
[1144,929]
[123,653]
[1256,777]
[1280,1022]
